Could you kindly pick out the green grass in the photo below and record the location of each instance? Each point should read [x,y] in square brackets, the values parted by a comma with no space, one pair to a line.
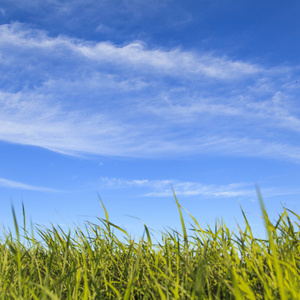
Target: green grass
[93,263]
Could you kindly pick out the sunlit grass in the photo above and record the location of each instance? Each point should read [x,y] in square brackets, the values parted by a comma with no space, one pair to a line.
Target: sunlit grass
[93,263]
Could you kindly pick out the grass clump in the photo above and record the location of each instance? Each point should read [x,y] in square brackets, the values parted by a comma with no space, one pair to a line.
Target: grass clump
[92,263]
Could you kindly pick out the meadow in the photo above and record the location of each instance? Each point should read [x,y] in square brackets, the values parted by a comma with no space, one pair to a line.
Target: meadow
[211,263]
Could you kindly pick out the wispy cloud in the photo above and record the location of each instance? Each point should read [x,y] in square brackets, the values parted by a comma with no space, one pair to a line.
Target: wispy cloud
[163,188]
[29,120]
[134,55]
[76,96]
[23,186]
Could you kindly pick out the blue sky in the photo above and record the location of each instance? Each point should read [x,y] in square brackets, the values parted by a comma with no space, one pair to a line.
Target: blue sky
[125,99]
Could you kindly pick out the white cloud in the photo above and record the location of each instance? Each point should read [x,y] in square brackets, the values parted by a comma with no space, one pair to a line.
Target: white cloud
[23,186]
[28,119]
[39,120]
[163,188]
[173,62]
[135,55]
[76,97]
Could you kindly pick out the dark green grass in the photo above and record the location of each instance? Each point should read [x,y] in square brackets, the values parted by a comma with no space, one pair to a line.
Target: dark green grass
[93,263]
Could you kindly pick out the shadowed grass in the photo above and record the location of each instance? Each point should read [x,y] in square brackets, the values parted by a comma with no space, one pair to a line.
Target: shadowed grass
[92,263]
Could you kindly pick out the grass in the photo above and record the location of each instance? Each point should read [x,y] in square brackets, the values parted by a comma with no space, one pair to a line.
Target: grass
[92,263]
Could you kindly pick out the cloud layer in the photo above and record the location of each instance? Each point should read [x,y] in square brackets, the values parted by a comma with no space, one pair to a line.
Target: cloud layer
[89,97]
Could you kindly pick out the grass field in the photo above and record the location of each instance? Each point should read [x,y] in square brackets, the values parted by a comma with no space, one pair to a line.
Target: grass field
[212,263]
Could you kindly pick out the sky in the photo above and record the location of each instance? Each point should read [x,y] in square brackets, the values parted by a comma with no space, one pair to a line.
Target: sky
[125,100]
